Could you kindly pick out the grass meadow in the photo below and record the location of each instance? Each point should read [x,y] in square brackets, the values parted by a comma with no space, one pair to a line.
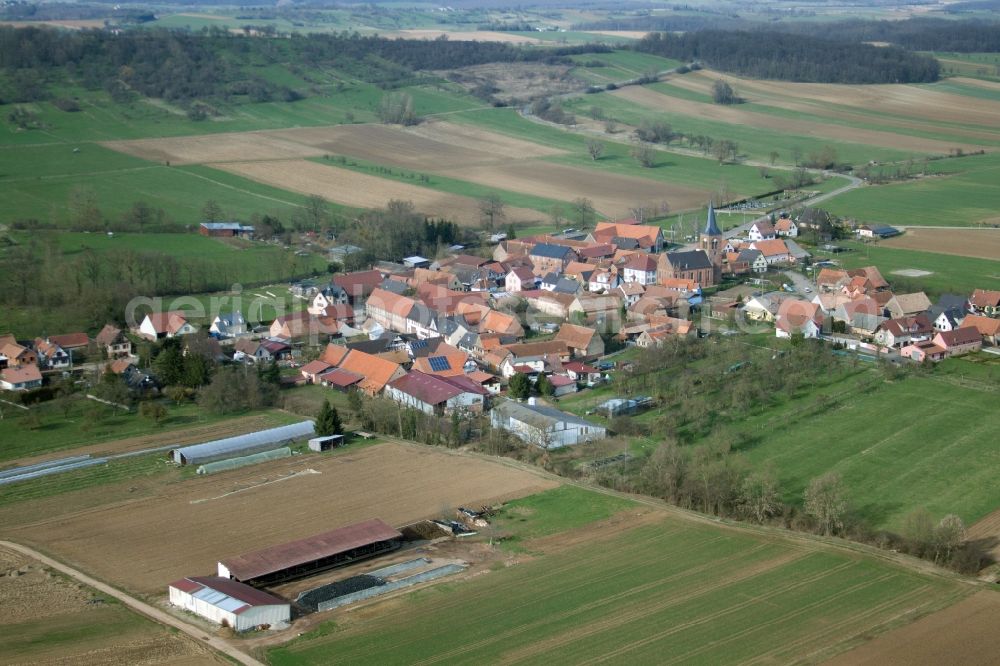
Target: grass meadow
[960,192]
[668,591]
[921,441]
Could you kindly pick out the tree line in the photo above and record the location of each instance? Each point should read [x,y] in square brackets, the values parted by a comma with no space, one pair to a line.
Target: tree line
[791,57]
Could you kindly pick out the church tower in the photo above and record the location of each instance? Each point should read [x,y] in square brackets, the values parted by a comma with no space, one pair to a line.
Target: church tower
[712,242]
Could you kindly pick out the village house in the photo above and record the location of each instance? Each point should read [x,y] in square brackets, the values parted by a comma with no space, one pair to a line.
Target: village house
[646,237]
[640,268]
[358,285]
[960,341]
[303,326]
[761,230]
[987,327]
[113,341]
[547,258]
[903,330]
[543,426]
[389,310]
[907,305]
[376,371]
[831,279]
[985,302]
[775,251]
[20,378]
[798,317]
[786,227]
[661,328]
[330,294]
[631,292]
[922,351]
[447,361]
[603,280]
[51,356]
[583,342]
[159,325]
[602,311]
[520,279]
[439,395]
[229,325]
[877,231]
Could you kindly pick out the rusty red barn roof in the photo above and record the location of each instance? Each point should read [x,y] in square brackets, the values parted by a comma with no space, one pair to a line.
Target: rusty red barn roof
[294,553]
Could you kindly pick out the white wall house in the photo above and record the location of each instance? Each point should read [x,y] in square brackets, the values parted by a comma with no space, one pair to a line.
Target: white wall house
[229,603]
[432,394]
[545,427]
[761,231]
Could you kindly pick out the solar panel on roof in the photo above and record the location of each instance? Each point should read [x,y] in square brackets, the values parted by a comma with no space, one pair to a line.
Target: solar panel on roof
[438,363]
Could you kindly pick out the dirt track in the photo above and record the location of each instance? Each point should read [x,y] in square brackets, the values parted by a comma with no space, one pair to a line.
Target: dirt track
[981,243]
[183,528]
[987,529]
[965,633]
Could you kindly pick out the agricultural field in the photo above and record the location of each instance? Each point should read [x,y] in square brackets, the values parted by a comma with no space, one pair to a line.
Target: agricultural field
[119,536]
[642,585]
[985,66]
[933,449]
[959,192]
[51,619]
[939,273]
[978,243]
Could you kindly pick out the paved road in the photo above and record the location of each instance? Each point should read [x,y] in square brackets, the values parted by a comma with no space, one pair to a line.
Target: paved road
[141,607]
[800,282]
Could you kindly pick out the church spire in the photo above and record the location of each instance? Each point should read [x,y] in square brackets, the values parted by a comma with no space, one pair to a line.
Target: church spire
[711,228]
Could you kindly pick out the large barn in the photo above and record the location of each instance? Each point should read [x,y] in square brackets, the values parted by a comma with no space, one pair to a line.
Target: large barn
[243,445]
[229,603]
[308,556]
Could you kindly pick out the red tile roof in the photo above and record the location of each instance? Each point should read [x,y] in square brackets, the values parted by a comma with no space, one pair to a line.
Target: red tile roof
[70,340]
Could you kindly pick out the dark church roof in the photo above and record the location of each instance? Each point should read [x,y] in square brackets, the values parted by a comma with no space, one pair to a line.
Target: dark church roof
[689,260]
[711,228]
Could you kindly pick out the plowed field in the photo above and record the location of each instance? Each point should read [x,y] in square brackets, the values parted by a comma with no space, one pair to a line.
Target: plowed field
[185,527]
[982,243]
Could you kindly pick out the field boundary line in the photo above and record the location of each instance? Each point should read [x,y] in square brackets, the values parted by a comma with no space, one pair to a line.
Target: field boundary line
[141,607]
[293,475]
[238,189]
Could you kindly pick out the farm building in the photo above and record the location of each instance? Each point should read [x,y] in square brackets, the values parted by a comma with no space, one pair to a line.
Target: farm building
[229,603]
[545,427]
[242,445]
[225,229]
[311,555]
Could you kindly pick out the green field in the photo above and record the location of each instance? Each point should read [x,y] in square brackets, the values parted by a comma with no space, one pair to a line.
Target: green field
[963,192]
[60,431]
[666,592]
[40,182]
[949,273]
[924,441]
[975,65]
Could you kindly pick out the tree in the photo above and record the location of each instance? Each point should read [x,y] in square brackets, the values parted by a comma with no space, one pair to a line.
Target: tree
[948,536]
[796,155]
[725,150]
[511,232]
[556,214]
[491,210]
[583,210]
[211,211]
[774,155]
[519,386]
[825,501]
[316,213]
[544,386]
[235,389]
[595,149]
[397,109]
[644,154]
[84,212]
[169,363]
[760,496]
[153,411]
[723,93]
[328,421]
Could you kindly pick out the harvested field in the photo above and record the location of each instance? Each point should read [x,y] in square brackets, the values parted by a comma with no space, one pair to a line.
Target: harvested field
[237,146]
[982,243]
[421,147]
[180,528]
[71,24]
[737,116]
[363,191]
[612,194]
[910,105]
[961,634]
[42,609]
[630,34]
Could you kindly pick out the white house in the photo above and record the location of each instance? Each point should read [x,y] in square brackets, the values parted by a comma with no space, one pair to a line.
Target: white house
[434,394]
[545,427]
[170,324]
[640,268]
[786,227]
[761,230]
[51,355]
[229,603]
[329,295]
[774,251]
[20,378]
[603,280]
[229,325]
[519,279]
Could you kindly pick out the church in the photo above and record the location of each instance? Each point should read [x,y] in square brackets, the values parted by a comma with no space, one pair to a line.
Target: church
[704,264]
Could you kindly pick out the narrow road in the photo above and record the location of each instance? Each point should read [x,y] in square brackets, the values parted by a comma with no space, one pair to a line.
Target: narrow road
[140,607]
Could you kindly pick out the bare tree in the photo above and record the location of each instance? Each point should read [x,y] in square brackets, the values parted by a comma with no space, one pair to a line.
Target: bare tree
[725,150]
[491,210]
[644,155]
[774,155]
[595,149]
[211,211]
[583,210]
[948,536]
[610,126]
[825,501]
[557,214]
[760,496]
